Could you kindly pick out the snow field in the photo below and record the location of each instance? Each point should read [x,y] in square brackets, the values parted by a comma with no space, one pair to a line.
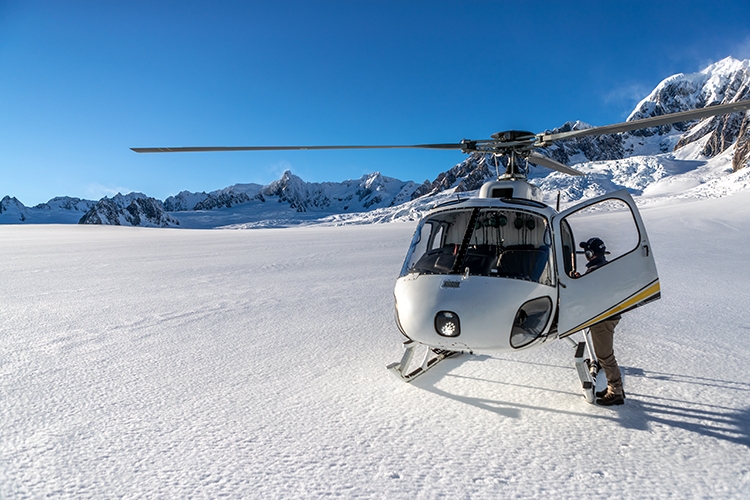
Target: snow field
[251,364]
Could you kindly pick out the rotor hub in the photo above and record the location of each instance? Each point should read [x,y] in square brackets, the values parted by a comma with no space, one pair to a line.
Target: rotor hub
[513,135]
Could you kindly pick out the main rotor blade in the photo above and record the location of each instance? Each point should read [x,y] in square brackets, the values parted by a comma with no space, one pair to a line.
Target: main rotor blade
[548,162]
[199,149]
[654,121]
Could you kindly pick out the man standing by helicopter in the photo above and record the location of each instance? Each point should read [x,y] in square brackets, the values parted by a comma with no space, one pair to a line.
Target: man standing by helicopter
[602,333]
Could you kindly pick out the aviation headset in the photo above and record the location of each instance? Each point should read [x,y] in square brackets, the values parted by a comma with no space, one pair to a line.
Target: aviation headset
[594,246]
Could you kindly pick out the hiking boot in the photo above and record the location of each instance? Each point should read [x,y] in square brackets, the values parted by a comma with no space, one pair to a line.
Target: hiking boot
[612,398]
[603,392]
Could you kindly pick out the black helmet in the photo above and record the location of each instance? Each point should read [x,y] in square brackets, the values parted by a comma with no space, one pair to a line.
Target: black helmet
[593,247]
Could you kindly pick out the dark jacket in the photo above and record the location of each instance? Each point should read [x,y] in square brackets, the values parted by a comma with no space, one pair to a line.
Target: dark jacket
[596,263]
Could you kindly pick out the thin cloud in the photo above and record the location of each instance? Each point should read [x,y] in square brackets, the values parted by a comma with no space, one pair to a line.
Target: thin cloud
[279,168]
[98,191]
[625,97]
[742,50]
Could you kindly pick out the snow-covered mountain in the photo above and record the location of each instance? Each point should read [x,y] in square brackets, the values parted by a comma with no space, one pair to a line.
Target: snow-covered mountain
[288,200]
[134,209]
[709,151]
[60,210]
[223,198]
[702,158]
[366,193]
[12,209]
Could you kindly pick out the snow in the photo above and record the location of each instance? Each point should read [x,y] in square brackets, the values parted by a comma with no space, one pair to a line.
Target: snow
[187,363]
[251,364]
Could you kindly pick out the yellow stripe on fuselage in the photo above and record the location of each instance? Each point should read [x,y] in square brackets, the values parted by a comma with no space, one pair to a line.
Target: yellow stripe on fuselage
[643,295]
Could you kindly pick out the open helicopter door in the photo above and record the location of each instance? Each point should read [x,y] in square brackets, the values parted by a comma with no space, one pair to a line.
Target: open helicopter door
[628,279]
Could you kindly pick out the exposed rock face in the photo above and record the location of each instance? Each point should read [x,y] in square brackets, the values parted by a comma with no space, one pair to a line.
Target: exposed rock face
[224,198]
[141,211]
[468,175]
[60,210]
[185,200]
[13,210]
[723,82]
[590,148]
[634,166]
[368,192]
[67,203]
[293,190]
[741,158]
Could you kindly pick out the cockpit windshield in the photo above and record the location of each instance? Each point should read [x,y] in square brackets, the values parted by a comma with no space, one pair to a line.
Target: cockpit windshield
[503,243]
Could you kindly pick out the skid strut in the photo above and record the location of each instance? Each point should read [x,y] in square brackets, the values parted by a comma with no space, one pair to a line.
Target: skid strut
[587,368]
[407,371]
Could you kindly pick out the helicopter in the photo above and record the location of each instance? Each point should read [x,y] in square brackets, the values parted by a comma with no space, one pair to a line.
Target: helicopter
[499,272]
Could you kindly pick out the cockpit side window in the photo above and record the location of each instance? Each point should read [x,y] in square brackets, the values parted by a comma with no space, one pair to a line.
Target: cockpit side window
[436,243]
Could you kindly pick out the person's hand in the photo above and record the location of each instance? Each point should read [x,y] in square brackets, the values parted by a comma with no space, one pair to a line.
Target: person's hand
[575,274]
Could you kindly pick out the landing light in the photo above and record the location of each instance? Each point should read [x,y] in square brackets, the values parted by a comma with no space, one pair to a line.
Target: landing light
[447,324]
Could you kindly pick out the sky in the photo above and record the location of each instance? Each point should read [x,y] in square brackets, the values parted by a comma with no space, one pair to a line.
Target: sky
[82,82]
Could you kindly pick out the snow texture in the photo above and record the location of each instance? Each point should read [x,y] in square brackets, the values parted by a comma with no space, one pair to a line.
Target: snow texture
[174,363]
[183,363]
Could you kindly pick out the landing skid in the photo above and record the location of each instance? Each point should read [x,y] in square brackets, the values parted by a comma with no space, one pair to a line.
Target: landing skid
[586,368]
[405,369]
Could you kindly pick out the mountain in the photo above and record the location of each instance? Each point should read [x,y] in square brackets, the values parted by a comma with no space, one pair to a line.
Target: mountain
[723,82]
[60,210]
[289,200]
[13,210]
[134,209]
[366,193]
[701,158]
[223,198]
[637,159]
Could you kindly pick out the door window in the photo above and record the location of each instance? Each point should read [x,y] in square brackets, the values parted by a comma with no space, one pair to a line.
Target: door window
[611,220]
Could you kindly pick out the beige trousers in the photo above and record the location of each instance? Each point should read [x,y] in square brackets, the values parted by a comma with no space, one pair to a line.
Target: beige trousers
[602,335]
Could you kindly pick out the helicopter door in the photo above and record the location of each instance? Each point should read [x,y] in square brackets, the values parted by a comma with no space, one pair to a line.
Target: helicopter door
[628,279]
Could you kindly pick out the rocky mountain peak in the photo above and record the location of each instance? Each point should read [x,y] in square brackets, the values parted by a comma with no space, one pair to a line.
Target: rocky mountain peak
[134,209]
[13,209]
[631,164]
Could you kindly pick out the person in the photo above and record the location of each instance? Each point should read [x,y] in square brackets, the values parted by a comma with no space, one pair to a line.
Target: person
[602,333]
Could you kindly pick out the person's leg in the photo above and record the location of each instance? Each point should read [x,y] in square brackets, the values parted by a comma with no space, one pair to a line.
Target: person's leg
[602,335]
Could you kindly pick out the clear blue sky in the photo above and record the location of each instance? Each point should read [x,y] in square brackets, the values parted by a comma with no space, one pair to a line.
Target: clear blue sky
[81,82]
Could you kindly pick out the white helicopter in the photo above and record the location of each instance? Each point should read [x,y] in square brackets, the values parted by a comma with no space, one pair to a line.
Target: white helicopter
[499,272]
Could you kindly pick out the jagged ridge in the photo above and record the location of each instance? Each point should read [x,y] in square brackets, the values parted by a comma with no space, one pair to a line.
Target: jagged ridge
[630,163]
[134,209]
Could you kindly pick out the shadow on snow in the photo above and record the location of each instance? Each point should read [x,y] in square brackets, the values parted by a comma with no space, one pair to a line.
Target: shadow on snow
[639,412]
